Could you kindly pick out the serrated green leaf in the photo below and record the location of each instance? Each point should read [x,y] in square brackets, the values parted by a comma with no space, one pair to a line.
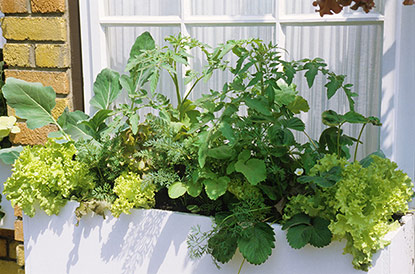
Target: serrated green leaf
[134,122]
[9,155]
[335,82]
[31,101]
[331,118]
[295,123]
[298,105]
[310,75]
[258,105]
[320,234]
[223,245]
[298,236]
[354,118]
[176,190]
[154,80]
[254,170]
[256,243]
[106,89]
[216,187]
[297,219]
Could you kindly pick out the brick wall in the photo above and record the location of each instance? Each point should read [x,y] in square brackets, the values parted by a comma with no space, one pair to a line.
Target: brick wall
[38,49]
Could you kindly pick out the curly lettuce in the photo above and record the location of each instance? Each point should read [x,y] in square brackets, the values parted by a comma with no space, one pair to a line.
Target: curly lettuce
[47,176]
[132,192]
[360,206]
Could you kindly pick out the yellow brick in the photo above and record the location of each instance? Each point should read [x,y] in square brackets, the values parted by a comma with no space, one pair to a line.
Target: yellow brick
[46,6]
[30,137]
[59,81]
[8,267]
[18,231]
[60,106]
[34,28]
[52,56]
[18,211]
[18,55]
[20,255]
[3,248]
[13,6]
[12,249]
[21,271]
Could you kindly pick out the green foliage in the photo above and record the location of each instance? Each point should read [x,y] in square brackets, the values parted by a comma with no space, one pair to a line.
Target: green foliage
[47,176]
[303,229]
[132,193]
[358,206]
[232,154]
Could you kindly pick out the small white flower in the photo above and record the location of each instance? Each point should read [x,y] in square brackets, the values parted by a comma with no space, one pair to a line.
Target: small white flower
[299,171]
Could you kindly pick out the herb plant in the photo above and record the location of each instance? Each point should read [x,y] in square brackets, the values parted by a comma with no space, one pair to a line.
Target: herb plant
[231,154]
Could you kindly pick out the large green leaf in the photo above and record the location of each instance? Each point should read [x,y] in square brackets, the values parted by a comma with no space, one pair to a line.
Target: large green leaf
[256,243]
[216,187]
[221,152]
[97,121]
[9,155]
[253,169]
[31,101]
[176,190]
[321,234]
[298,236]
[143,42]
[106,89]
[71,124]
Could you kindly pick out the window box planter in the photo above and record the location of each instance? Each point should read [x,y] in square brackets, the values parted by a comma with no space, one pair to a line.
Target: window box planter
[154,241]
[8,220]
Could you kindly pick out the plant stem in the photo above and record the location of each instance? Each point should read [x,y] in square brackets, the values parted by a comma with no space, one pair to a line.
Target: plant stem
[191,89]
[311,140]
[338,141]
[240,268]
[358,140]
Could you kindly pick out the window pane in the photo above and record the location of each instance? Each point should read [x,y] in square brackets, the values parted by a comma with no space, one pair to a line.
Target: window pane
[216,35]
[142,7]
[351,50]
[306,7]
[232,7]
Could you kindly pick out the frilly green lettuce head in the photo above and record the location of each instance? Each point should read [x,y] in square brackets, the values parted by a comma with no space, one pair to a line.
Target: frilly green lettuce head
[7,126]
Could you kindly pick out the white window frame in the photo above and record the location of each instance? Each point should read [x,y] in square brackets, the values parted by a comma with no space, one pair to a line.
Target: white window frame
[95,56]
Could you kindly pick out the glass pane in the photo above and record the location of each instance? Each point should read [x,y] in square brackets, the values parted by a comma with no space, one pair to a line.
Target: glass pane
[306,7]
[142,7]
[232,7]
[216,35]
[120,41]
[351,50]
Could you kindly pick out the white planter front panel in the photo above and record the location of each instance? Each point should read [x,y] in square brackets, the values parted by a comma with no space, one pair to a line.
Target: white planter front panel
[154,242]
[8,221]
